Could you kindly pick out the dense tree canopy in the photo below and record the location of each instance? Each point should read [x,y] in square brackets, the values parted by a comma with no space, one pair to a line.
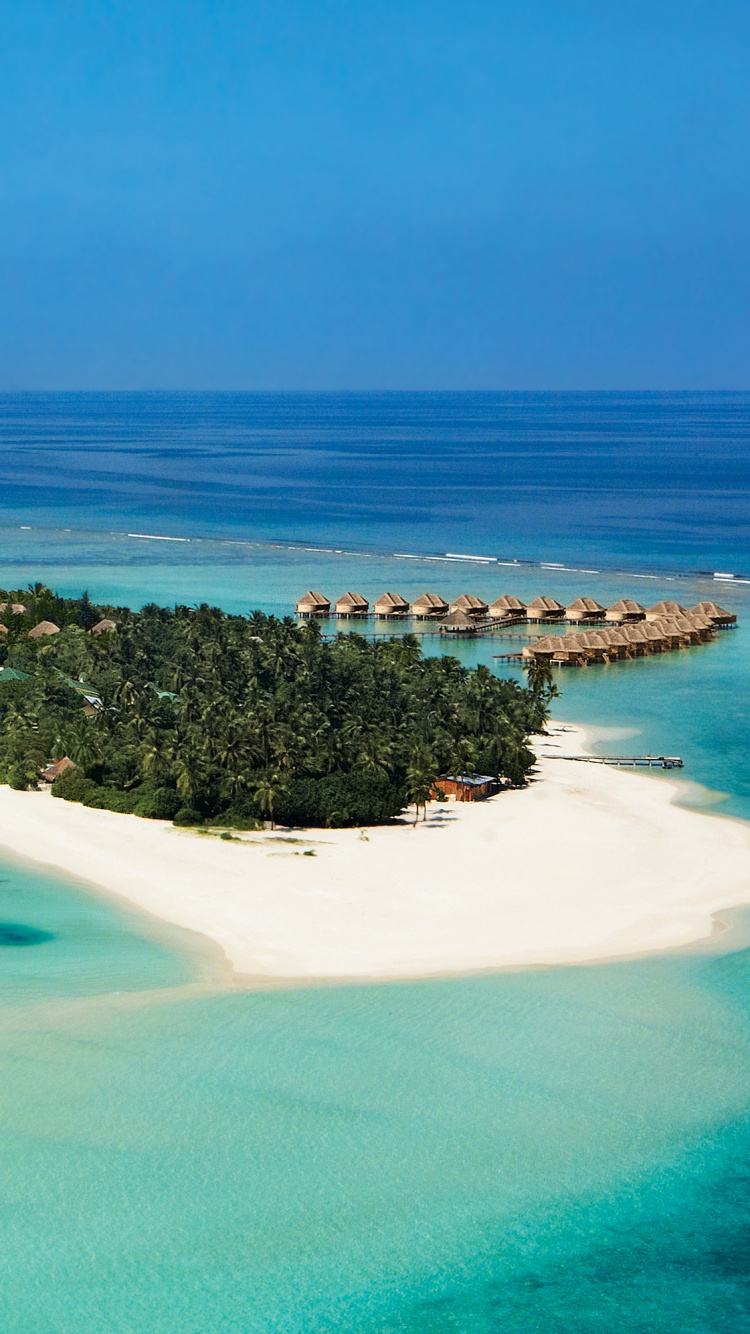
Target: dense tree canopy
[198,715]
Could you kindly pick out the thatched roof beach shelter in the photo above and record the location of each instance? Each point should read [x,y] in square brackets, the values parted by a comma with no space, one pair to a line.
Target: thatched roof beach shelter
[584,609]
[471,604]
[716,613]
[103,627]
[460,623]
[17,608]
[545,609]
[44,628]
[313,604]
[429,607]
[389,605]
[664,609]
[52,771]
[625,610]
[352,605]
[507,607]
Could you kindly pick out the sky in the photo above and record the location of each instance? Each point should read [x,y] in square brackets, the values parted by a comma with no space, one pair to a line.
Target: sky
[374,194]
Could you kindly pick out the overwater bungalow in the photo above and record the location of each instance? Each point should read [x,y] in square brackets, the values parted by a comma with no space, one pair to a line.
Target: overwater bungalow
[703,623]
[715,613]
[390,606]
[44,628]
[352,606]
[545,609]
[584,609]
[638,642]
[618,644]
[460,623]
[103,627]
[655,639]
[625,611]
[671,633]
[429,607]
[471,605]
[660,609]
[313,604]
[507,608]
[571,651]
[544,647]
[595,645]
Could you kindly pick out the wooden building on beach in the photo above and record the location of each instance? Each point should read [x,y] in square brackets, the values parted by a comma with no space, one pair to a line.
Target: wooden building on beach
[313,604]
[390,606]
[465,787]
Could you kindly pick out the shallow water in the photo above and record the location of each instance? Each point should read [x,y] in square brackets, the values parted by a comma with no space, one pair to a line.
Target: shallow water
[563,1149]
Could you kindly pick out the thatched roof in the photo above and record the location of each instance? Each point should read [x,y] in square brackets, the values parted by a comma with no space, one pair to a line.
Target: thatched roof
[390,603]
[103,627]
[665,609]
[470,603]
[545,607]
[17,608]
[352,602]
[44,628]
[3,629]
[594,639]
[627,607]
[715,613]
[585,607]
[570,643]
[507,605]
[429,603]
[313,602]
[52,771]
[460,620]
[545,644]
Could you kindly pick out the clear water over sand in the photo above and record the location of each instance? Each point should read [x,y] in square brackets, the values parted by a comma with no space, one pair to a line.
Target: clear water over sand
[556,1150]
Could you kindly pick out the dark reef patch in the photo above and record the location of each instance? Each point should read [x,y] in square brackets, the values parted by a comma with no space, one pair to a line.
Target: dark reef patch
[16,934]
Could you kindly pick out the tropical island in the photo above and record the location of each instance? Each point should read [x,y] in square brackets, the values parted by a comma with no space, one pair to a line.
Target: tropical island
[194,715]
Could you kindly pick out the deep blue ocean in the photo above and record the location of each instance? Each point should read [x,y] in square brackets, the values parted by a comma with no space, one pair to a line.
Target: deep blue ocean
[531,1153]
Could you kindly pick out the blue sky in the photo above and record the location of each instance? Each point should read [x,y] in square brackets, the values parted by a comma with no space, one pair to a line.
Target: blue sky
[341,194]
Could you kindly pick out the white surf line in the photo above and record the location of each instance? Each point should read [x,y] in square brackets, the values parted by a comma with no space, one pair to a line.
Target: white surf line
[155,537]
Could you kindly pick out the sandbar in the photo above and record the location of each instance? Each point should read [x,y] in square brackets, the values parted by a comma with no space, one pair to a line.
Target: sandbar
[586,863]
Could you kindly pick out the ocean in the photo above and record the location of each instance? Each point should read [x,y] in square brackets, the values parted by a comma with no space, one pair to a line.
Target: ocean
[557,1149]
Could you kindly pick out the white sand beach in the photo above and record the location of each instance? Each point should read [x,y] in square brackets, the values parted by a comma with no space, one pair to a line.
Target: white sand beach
[587,863]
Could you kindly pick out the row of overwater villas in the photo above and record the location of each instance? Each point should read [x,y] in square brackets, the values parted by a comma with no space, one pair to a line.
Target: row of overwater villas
[468,611]
[672,629]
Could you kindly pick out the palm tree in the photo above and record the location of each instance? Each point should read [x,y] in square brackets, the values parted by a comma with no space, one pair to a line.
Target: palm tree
[539,675]
[420,779]
[268,788]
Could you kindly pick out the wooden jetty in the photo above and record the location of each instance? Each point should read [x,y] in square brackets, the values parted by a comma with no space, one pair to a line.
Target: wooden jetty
[634,761]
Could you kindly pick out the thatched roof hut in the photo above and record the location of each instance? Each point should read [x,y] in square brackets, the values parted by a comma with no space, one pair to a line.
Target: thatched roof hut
[596,645]
[626,609]
[52,771]
[390,604]
[584,609]
[460,623]
[352,604]
[545,609]
[716,613]
[664,609]
[313,604]
[103,627]
[507,607]
[44,628]
[17,608]
[543,647]
[671,632]
[571,649]
[429,606]
[471,604]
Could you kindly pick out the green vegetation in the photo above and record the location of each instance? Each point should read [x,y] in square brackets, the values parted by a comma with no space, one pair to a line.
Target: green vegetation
[203,717]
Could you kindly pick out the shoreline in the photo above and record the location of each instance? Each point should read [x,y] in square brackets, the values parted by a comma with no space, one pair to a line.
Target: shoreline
[587,864]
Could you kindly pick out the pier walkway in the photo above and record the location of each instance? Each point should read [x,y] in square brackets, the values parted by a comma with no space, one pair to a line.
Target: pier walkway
[644,761]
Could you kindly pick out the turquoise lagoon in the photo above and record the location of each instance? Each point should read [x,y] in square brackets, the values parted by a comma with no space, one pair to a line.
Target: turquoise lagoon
[560,1151]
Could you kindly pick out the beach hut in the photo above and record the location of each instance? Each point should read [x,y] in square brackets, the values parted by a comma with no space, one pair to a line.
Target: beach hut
[352,606]
[390,605]
[52,771]
[715,613]
[313,604]
[584,609]
[103,627]
[624,611]
[429,607]
[545,609]
[660,609]
[465,787]
[44,628]
[507,608]
[471,605]
[460,623]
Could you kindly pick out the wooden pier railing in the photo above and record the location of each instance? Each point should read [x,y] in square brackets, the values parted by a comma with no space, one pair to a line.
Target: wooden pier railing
[661,761]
